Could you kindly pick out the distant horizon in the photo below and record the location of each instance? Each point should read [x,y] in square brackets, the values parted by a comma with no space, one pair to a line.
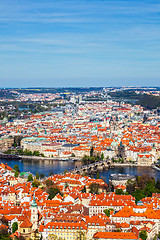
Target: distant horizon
[80,87]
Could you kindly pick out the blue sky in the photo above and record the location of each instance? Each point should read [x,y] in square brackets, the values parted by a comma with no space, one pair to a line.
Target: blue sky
[57,43]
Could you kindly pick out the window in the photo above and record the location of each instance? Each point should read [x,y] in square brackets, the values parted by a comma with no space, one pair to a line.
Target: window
[24,230]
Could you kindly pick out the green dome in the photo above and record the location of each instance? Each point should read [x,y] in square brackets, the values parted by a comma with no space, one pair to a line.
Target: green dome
[34,204]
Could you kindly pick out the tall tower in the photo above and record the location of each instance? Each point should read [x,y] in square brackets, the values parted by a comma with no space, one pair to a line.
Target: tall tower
[34,213]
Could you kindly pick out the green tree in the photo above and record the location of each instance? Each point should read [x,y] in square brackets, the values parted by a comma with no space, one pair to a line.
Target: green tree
[149,189]
[91,152]
[107,212]
[143,235]
[52,192]
[158,184]
[14,145]
[85,160]
[35,183]
[130,187]
[16,168]
[16,174]
[36,153]
[84,189]
[30,178]
[37,175]
[94,188]
[49,183]
[65,171]
[14,227]
[138,194]
[102,156]
[4,235]
[42,175]
[119,191]
[97,175]
[66,185]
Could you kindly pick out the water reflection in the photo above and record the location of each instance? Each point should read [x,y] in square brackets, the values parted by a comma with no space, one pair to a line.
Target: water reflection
[41,166]
[47,167]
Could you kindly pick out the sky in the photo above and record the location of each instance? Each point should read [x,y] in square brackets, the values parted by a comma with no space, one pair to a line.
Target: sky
[79,43]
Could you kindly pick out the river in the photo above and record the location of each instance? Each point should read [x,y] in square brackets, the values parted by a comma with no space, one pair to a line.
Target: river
[47,167]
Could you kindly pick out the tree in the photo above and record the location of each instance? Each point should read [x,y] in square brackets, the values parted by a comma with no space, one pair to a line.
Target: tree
[97,175]
[143,235]
[36,153]
[143,180]
[85,160]
[94,188]
[119,191]
[35,183]
[91,151]
[110,187]
[65,171]
[37,175]
[49,183]
[66,185]
[158,184]
[16,168]
[84,189]
[17,140]
[14,227]
[138,194]
[16,174]
[130,187]
[30,178]
[42,175]
[149,189]
[107,212]
[53,192]
[102,156]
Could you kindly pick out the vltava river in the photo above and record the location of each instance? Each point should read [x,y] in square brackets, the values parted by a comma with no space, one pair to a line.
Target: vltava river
[47,167]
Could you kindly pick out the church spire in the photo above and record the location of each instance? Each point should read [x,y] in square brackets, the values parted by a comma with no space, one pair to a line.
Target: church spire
[34,204]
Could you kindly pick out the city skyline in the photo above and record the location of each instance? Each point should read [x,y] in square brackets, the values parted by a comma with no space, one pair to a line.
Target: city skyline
[79,43]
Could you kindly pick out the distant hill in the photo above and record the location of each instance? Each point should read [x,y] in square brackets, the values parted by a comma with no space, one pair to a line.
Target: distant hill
[5,93]
[58,90]
[149,101]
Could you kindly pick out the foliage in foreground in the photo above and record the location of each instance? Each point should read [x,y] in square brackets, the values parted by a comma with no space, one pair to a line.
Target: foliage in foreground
[143,186]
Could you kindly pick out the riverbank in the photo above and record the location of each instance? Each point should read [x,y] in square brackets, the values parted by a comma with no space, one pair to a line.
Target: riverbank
[123,164]
[36,158]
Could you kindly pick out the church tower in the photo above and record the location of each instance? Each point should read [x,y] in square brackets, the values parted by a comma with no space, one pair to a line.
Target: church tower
[34,213]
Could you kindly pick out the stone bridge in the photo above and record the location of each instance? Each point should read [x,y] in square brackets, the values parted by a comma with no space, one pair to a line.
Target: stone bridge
[92,168]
